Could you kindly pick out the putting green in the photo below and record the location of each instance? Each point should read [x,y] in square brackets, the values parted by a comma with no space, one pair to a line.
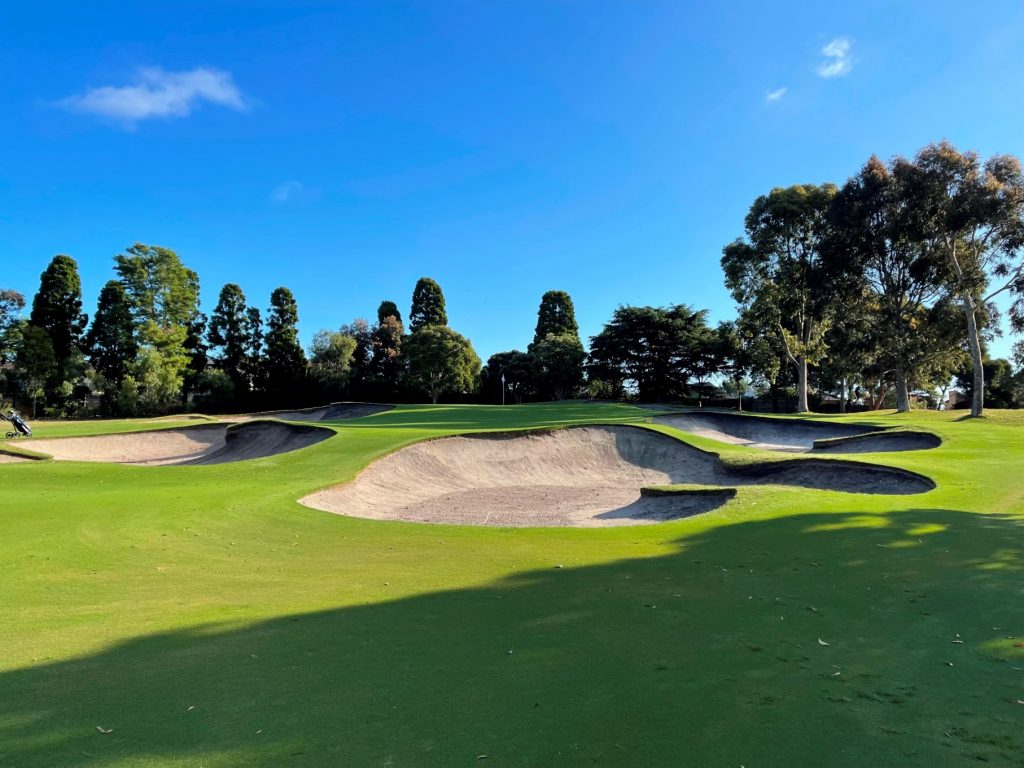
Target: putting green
[198,615]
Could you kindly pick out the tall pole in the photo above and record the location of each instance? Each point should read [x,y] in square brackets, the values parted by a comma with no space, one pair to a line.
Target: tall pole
[502,388]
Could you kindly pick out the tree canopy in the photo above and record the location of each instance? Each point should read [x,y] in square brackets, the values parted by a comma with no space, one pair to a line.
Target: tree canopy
[427,305]
[441,362]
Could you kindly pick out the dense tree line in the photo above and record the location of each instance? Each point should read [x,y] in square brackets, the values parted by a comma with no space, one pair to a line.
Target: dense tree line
[150,349]
[885,284]
[864,293]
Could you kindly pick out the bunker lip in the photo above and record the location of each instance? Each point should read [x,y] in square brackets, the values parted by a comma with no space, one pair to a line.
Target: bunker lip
[580,476]
[196,445]
[796,435]
[340,411]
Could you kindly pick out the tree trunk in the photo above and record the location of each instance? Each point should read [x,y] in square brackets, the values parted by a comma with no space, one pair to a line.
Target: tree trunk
[801,385]
[902,392]
[842,395]
[974,341]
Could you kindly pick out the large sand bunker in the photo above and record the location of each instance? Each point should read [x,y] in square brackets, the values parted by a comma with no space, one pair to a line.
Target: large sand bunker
[578,476]
[332,412]
[796,435]
[206,444]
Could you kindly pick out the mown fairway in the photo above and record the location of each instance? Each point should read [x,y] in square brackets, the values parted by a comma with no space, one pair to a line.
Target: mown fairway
[204,618]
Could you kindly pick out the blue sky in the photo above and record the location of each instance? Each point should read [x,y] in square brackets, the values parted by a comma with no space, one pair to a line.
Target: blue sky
[503,148]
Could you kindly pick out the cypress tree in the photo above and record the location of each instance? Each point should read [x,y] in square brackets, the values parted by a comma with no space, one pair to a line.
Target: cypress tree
[229,336]
[556,316]
[427,305]
[111,342]
[57,309]
[388,309]
[285,360]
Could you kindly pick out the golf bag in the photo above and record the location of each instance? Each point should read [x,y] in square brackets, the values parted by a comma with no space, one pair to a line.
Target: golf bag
[21,429]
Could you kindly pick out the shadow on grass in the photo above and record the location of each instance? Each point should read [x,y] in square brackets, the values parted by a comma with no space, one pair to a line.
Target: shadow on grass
[808,640]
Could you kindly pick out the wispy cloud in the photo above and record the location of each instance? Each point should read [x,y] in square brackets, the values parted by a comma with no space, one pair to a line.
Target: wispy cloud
[155,92]
[775,95]
[285,191]
[837,58]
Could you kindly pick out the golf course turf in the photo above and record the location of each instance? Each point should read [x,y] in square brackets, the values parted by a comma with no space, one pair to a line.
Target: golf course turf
[200,616]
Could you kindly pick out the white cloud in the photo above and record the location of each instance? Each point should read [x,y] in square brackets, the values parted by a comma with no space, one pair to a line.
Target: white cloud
[775,95]
[285,191]
[837,58]
[159,93]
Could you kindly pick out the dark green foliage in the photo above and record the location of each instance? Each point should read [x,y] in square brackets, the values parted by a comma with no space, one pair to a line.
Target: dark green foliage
[388,309]
[230,336]
[1003,389]
[656,350]
[556,351]
[441,362]
[255,362]
[972,214]
[285,360]
[517,369]
[111,341]
[35,361]
[557,364]
[386,362]
[57,307]
[782,273]
[556,316]
[330,362]
[11,304]
[197,350]
[427,305]
[360,375]
[877,237]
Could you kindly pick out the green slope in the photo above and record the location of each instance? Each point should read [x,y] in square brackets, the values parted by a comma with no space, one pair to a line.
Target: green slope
[206,619]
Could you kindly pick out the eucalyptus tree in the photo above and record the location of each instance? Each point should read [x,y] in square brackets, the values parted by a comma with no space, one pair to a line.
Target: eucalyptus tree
[971,214]
[781,273]
[877,221]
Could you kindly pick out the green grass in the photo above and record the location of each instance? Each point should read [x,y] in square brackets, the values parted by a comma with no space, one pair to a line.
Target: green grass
[207,619]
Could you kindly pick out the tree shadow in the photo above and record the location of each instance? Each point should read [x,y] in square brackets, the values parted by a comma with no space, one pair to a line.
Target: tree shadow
[824,639]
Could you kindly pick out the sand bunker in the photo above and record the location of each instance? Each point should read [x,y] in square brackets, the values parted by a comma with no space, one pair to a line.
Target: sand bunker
[205,444]
[579,476]
[10,458]
[796,435]
[332,412]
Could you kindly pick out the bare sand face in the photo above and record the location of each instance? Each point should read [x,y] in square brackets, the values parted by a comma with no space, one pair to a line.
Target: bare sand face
[205,444]
[579,476]
[795,435]
[7,458]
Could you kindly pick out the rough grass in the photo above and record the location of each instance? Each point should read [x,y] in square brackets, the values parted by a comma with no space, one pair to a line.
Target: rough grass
[206,619]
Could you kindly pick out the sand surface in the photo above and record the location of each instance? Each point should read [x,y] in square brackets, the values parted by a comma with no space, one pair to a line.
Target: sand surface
[205,444]
[795,435]
[580,476]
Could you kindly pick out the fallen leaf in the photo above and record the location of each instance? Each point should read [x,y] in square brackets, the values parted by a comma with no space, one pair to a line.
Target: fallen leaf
[822,642]
[101,729]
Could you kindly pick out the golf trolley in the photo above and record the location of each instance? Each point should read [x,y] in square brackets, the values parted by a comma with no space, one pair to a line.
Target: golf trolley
[21,429]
